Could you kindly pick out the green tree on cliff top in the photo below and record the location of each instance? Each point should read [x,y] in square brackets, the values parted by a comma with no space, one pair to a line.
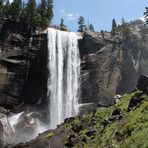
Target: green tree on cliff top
[81,23]
[114,27]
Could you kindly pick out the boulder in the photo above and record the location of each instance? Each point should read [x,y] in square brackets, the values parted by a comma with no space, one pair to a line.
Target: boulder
[116,112]
[117,98]
[134,102]
[91,133]
[143,83]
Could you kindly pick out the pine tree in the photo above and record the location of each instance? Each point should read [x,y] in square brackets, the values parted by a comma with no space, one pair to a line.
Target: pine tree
[91,27]
[81,23]
[30,12]
[146,15]
[15,10]
[62,26]
[6,9]
[49,14]
[42,8]
[23,15]
[114,28]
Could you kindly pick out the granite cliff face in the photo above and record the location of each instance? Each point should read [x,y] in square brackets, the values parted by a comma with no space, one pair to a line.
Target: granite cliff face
[23,60]
[110,66]
[101,68]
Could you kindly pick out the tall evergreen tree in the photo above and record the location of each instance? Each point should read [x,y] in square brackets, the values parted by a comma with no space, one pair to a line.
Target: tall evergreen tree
[15,10]
[114,27]
[30,12]
[146,15]
[23,14]
[43,8]
[49,14]
[81,23]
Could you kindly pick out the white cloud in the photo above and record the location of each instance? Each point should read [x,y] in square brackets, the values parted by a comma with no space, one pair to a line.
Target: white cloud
[68,16]
[71,16]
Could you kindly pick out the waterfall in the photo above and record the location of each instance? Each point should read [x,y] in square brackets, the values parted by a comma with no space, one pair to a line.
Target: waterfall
[64,74]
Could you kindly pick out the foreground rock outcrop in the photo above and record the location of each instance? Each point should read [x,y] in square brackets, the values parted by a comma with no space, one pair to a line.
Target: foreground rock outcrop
[122,125]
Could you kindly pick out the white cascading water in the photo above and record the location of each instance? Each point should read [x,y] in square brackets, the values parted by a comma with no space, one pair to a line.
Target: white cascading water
[64,73]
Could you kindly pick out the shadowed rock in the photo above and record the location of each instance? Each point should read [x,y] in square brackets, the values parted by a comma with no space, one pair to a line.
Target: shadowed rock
[143,83]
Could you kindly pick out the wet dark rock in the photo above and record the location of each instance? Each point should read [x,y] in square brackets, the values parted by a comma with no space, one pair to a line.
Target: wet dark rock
[67,120]
[120,117]
[77,128]
[69,144]
[134,102]
[118,136]
[90,133]
[105,123]
[84,140]
[116,112]
[143,83]
[93,121]
[116,115]
[72,140]
[112,118]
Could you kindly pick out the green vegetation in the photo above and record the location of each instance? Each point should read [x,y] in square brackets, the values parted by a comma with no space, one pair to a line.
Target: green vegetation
[29,14]
[124,125]
[49,134]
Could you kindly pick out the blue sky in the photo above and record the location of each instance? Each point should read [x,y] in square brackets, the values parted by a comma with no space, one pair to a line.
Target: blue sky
[99,12]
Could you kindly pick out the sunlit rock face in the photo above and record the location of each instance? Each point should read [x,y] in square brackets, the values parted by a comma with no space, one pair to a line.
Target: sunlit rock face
[111,66]
[100,68]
